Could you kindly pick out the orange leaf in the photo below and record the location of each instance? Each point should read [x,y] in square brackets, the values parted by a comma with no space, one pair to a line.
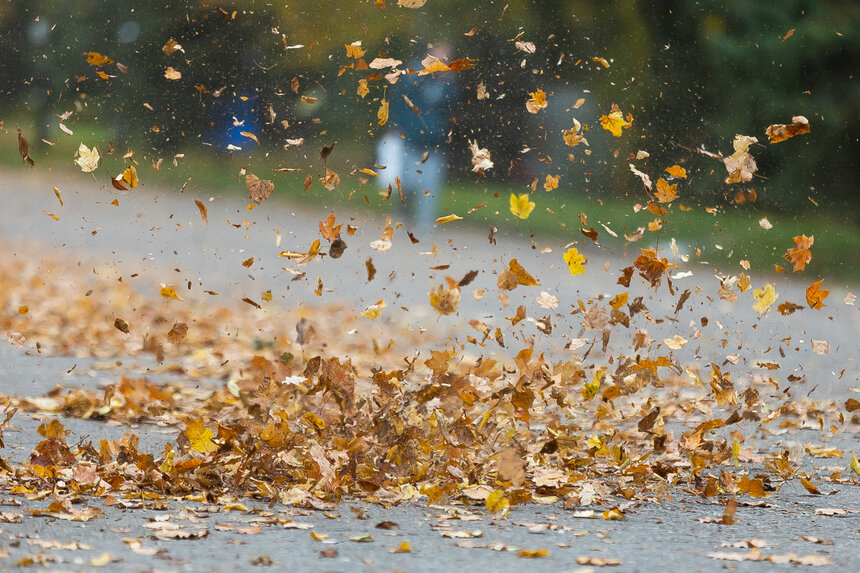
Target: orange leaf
[800,255]
[815,295]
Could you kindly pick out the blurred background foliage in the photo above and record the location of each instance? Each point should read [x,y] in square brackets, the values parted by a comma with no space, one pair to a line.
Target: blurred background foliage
[691,73]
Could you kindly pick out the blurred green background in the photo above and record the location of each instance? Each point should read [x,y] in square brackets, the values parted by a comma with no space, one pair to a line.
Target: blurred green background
[692,74]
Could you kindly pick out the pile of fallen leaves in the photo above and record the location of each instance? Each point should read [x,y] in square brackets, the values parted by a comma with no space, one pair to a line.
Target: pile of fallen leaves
[310,427]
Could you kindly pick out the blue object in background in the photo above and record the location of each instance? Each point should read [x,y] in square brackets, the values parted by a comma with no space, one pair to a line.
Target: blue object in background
[226,113]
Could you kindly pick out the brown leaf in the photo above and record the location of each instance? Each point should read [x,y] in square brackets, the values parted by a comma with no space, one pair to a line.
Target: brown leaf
[204,212]
[24,148]
[258,189]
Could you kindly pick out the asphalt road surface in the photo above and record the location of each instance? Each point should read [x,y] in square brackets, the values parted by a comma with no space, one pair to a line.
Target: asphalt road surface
[159,237]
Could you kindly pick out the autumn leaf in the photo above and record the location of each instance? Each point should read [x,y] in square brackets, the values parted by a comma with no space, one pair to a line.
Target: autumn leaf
[172,74]
[448,219]
[780,131]
[480,158]
[764,298]
[169,293]
[652,267]
[800,255]
[741,164]
[382,112]
[88,159]
[24,149]
[677,171]
[537,102]
[497,503]
[331,180]
[204,212]
[551,182]
[362,89]
[521,206]
[815,295]
[373,311]
[433,65]
[96,59]
[666,193]
[258,189]
[575,135]
[614,122]
[354,50]
[575,261]
[200,436]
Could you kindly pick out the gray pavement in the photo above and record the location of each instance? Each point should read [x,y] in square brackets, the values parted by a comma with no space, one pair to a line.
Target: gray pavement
[159,237]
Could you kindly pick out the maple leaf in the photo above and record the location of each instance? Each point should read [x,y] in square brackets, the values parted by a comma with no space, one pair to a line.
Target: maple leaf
[521,206]
[800,255]
[446,300]
[780,131]
[433,65]
[88,159]
[537,102]
[497,502]
[652,267]
[373,311]
[741,164]
[199,436]
[575,135]
[551,182]
[362,89]
[96,59]
[258,189]
[764,298]
[666,193]
[354,50]
[815,295]
[575,261]
[169,293]
[614,122]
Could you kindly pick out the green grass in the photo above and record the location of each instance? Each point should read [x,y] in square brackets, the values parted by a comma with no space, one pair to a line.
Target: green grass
[723,239]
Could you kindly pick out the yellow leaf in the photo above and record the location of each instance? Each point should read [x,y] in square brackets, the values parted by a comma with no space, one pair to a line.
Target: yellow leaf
[169,292]
[764,298]
[200,436]
[614,122]
[551,182]
[854,464]
[448,219]
[497,502]
[130,176]
[576,263]
[618,300]
[521,206]
[382,112]
[590,389]
[613,513]
[373,311]
[402,548]
[537,101]
[314,421]
[445,301]
[167,465]
[533,553]
[736,449]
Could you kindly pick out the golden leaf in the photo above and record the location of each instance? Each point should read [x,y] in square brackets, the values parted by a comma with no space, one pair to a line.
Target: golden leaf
[200,437]
[521,206]
[576,262]
[382,112]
